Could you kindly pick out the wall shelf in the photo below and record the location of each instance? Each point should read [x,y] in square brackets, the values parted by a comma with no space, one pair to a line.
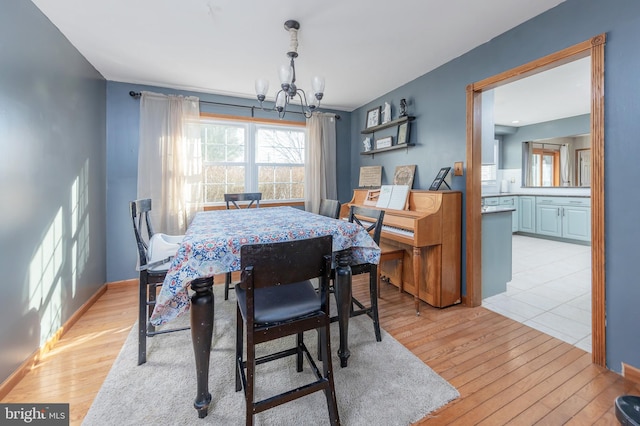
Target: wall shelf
[389,148]
[396,122]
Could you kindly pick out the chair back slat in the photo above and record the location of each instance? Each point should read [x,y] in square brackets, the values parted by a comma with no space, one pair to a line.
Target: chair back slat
[140,217]
[235,199]
[357,214]
[330,208]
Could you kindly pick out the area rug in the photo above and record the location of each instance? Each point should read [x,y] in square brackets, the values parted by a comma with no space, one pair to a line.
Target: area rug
[384,383]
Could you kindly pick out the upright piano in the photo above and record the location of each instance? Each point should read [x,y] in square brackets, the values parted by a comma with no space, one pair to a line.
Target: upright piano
[429,232]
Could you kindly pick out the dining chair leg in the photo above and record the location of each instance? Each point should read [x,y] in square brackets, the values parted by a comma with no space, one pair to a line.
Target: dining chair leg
[249,386]
[227,284]
[373,289]
[142,322]
[239,349]
[327,372]
[300,343]
[152,290]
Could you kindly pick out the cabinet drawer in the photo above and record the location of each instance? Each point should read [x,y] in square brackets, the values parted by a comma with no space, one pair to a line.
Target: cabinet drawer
[563,201]
[509,201]
[491,201]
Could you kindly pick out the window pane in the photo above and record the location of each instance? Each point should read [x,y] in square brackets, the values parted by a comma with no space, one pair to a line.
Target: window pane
[279,146]
[547,170]
[219,180]
[281,182]
[223,143]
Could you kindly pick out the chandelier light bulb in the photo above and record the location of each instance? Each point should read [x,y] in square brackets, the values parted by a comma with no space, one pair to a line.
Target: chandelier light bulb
[317,83]
[281,100]
[286,74]
[262,87]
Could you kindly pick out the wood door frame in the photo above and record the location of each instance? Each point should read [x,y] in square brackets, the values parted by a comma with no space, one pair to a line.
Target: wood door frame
[594,48]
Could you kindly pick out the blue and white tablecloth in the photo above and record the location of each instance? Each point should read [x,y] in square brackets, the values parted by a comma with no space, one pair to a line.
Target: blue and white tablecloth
[212,246]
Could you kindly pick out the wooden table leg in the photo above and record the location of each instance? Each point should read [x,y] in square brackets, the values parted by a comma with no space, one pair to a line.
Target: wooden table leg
[343,300]
[201,336]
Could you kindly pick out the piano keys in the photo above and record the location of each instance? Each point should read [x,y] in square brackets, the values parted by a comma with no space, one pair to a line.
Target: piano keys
[429,232]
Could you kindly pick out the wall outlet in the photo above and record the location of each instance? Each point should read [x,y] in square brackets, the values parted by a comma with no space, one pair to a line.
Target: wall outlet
[513,180]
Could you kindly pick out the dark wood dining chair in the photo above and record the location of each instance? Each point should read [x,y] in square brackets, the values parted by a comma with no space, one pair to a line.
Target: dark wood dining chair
[330,208]
[371,220]
[275,299]
[239,201]
[155,252]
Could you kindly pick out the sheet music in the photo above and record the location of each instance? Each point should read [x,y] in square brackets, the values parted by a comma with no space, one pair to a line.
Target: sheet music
[393,197]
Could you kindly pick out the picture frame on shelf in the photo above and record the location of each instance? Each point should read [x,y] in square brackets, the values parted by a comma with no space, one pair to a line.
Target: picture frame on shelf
[373,117]
[439,179]
[403,134]
[404,175]
[385,142]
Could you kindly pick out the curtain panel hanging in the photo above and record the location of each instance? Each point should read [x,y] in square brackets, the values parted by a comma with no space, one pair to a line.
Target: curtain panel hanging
[320,161]
[170,159]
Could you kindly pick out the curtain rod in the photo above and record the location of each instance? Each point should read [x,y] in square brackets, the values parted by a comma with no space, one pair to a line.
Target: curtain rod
[137,95]
[547,143]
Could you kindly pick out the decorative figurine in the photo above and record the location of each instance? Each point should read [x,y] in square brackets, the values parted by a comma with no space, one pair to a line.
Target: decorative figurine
[367,144]
[386,113]
[403,107]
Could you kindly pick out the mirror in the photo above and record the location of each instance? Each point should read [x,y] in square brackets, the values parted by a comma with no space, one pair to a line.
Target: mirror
[542,123]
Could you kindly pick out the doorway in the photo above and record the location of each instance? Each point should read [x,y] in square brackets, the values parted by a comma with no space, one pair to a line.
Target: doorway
[595,49]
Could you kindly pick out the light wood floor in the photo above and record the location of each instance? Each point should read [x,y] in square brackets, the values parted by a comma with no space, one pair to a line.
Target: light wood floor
[506,372]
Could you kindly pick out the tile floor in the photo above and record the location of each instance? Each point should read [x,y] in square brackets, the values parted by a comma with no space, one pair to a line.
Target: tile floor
[550,290]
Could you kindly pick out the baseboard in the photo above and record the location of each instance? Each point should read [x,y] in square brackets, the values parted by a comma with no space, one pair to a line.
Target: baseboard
[37,355]
[630,372]
[123,283]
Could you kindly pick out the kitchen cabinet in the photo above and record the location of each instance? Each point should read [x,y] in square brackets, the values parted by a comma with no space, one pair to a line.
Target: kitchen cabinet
[511,201]
[564,217]
[527,214]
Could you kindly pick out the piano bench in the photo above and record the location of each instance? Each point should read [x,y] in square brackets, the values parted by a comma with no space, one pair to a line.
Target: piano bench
[390,253]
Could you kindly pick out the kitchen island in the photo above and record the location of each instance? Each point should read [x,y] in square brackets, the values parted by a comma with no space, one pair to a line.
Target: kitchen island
[496,249]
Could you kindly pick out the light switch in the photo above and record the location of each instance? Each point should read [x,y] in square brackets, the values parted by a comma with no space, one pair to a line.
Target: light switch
[457,168]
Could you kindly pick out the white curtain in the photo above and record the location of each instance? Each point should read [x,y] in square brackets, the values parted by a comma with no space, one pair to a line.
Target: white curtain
[565,165]
[320,161]
[169,159]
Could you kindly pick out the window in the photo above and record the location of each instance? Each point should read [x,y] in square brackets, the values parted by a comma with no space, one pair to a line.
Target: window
[250,156]
[545,168]
[489,165]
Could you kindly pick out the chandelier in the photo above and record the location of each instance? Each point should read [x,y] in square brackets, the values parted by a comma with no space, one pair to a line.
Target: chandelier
[289,90]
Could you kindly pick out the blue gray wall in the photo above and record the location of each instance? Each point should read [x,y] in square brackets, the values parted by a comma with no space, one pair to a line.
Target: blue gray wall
[52,181]
[437,99]
[511,146]
[123,118]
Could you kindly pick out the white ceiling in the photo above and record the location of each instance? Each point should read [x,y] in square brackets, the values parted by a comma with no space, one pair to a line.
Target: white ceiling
[364,48]
[561,92]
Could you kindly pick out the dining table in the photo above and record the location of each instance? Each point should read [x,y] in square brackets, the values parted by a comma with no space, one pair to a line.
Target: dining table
[211,246]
